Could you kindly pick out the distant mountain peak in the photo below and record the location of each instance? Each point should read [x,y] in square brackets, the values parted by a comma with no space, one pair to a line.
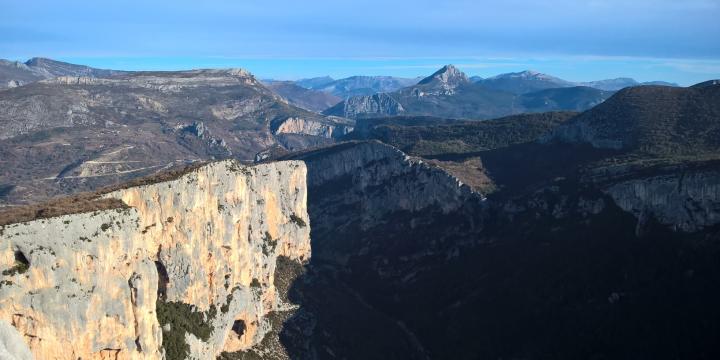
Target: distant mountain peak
[529,75]
[449,77]
[39,60]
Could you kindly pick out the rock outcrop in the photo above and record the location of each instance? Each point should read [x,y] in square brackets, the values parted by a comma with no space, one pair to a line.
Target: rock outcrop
[680,197]
[186,271]
[93,132]
[331,128]
[445,80]
[361,185]
[380,104]
[357,85]
[15,73]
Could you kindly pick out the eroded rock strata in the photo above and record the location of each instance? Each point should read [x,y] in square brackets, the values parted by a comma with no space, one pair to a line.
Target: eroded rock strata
[186,271]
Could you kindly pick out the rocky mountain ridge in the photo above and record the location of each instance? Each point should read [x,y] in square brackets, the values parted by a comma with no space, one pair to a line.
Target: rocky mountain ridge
[356,85]
[449,93]
[98,131]
[309,99]
[16,73]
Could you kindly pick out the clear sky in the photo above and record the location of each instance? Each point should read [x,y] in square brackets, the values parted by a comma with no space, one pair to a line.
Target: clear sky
[673,40]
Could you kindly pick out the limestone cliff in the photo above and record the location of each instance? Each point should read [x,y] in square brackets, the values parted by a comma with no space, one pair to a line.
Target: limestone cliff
[187,271]
[363,185]
[333,127]
[369,105]
[681,197]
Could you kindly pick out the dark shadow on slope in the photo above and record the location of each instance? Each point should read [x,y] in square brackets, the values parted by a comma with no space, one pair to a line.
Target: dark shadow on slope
[533,274]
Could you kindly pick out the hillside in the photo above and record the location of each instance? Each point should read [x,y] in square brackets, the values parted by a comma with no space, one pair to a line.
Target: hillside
[573,261]
[450,93]
[356,85]
[15,73]
[299,96]
[71,134]
[523,82]
[657,120]
[433,136]
[576,98]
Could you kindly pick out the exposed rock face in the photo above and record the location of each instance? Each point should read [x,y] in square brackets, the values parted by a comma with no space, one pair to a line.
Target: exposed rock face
[15,73]
[356,85]
[297,95]
[449,93]
[378,104]
[399,174]
[686,200]
[407,266]
[523,82]
[380,215]
[446,80]
[12,344]
[327,129]
[79,133]
[187,270]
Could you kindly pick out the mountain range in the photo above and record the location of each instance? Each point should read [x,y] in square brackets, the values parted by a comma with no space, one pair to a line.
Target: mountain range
[15,73]
[588,234]
[75,132]
[450,93]
[299,96]
[530,81]
[356,85]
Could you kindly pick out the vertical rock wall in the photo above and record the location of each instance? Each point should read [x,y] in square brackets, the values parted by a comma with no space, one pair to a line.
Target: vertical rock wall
[186,271]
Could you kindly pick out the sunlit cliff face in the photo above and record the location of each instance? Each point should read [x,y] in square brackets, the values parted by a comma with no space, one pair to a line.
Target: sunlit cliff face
[187,270]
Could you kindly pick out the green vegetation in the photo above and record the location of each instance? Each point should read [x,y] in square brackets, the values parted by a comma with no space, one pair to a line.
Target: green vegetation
[269,244]
[297,220]
[433,136]
[182,318]
[18,268]
[21,265]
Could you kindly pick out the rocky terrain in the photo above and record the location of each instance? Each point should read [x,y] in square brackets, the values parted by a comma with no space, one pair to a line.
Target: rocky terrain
[186,268]
[450,93]
[621,83]
[299,96]
[15,73]
[531,81]
[70,134]
[538,235]
[523,82]
[356,85]
[656,120]
[567,249]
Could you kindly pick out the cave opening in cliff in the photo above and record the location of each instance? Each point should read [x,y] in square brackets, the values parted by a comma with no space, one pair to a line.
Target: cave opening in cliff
[21,259]
[22,264]
[163,280]
[239,327]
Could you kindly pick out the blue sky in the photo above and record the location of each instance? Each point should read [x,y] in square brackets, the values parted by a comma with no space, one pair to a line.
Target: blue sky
[574,39]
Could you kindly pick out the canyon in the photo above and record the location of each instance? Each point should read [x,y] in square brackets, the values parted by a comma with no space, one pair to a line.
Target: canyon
[260,230]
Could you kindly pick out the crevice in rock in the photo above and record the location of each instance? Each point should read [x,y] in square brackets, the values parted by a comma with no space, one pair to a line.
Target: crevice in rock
[163,280]
[239,327]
